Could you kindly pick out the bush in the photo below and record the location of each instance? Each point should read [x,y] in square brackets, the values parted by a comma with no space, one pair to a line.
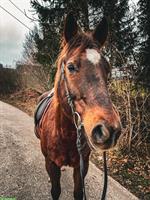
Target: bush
[9,80]
[133,104]
[34,76]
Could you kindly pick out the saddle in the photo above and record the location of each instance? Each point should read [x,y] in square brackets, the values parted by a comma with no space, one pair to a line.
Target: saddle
[43,105]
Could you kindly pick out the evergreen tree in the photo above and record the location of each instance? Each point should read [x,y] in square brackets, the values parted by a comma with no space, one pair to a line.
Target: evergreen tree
[122,37]
[51,15]
[47,39]
[88,14]
[144,31]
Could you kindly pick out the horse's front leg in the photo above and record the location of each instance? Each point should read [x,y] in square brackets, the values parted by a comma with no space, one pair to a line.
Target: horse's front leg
[54,174]
[78,193]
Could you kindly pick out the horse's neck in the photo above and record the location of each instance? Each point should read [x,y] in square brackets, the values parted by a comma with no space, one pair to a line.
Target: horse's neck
[63,119]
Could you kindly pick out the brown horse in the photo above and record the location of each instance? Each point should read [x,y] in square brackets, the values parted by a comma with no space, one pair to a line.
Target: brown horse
[86,72]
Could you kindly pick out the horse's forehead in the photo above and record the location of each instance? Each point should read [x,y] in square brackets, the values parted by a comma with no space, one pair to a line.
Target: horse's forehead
[89,54]
[93,56]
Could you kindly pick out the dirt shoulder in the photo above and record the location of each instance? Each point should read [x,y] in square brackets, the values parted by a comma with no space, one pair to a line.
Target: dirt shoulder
[130,169]
[25,100]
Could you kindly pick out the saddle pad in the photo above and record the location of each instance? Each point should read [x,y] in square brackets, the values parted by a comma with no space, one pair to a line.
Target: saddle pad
[42,107]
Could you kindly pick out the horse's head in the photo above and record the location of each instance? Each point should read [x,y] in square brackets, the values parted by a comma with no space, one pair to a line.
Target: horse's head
[86,72]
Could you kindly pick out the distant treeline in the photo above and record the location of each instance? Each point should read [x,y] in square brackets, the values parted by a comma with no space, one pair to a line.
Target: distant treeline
[9,80]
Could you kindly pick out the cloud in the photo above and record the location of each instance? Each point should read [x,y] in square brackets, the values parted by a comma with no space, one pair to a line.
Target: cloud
[11,40]
[12,33]
[10,51]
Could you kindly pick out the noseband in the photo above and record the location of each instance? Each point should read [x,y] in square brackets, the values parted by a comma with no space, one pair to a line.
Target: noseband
[80,130]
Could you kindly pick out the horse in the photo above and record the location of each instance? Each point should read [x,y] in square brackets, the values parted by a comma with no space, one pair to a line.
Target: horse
[81,77]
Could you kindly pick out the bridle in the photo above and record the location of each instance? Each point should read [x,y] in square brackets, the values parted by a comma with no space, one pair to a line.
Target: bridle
[80,130]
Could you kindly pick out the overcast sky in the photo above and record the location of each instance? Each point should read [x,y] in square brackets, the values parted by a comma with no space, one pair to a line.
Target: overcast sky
[12,33]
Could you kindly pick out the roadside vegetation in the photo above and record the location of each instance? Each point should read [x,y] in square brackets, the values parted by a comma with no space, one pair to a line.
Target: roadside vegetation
[128,51]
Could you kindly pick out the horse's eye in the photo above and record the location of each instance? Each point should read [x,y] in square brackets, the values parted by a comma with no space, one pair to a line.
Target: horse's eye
[71,68]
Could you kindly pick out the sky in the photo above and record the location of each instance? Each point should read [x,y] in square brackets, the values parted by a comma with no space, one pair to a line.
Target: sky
[12,33]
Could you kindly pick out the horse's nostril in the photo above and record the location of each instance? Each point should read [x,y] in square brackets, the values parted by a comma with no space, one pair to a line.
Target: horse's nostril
[99,134]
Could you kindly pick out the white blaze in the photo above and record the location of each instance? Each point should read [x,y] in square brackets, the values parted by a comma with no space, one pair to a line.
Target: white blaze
[93,56]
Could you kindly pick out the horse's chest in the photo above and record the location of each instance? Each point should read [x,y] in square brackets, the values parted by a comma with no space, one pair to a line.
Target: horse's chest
[64,151]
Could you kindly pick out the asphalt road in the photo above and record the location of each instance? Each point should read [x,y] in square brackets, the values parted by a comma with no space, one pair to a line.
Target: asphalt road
[22,170]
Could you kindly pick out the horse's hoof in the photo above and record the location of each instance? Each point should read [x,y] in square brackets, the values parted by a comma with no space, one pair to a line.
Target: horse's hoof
[63,169]
[49,180]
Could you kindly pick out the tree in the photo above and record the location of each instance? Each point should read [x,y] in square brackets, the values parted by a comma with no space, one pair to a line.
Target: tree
[88,13]
[51,15]
[144,50]
[122,36]
[30,48]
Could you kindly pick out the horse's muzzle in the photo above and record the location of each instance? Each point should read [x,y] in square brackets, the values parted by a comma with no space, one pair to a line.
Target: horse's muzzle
[105,137]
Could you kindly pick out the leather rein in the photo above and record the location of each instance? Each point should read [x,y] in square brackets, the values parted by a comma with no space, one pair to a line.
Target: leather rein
[79,128]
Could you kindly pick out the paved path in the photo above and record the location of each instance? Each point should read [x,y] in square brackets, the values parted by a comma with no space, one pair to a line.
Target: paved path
[22,170]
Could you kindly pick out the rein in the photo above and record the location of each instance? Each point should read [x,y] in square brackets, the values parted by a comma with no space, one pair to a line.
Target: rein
[79,127]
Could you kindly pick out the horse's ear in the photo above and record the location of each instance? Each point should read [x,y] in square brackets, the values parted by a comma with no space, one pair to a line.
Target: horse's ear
[70,28]
[101,32]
